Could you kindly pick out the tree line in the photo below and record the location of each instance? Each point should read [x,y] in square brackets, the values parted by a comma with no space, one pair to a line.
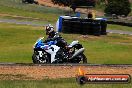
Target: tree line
[118,7]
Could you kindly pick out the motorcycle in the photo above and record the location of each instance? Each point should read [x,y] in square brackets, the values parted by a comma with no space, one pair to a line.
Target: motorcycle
[51,53]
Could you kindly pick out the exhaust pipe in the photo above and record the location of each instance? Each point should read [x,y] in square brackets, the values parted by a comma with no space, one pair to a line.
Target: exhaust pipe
[77,53]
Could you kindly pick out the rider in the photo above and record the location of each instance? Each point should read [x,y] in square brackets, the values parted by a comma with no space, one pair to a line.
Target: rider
[54,36]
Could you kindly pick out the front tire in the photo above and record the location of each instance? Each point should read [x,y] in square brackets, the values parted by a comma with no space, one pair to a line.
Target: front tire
[39,60]
[36,59]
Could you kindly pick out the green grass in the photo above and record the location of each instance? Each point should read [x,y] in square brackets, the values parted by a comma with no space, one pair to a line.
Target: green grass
[17,4]
[56,83]
[44,16]
[119,27]
[26,20]
[17,41]
[16,7]
[110,49]
[13,8]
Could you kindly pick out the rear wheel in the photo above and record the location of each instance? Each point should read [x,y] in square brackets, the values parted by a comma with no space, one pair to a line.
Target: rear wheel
[82,58]
[23,1]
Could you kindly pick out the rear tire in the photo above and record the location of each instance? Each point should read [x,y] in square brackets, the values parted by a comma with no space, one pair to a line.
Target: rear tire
[83,59]
[23,1]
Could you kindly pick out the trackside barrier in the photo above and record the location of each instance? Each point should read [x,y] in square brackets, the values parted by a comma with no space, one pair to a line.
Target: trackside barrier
[69,24]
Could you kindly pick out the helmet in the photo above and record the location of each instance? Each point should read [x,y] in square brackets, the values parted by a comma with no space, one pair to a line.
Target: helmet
[49,28]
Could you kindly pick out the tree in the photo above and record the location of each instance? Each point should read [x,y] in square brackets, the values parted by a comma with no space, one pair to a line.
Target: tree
[118,7]
[102,1]
[62,2]
[74,3]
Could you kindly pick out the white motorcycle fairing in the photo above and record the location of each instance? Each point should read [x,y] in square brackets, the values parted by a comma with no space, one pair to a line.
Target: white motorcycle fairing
[52,50]
[73,43]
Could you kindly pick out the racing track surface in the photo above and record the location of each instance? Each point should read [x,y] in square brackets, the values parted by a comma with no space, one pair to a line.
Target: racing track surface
[12,71]
[37,24]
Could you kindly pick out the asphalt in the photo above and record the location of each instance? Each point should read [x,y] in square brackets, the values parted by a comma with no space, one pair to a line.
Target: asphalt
[69,64]
[32,23]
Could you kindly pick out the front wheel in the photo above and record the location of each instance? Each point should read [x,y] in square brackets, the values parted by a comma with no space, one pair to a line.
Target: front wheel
[39,60]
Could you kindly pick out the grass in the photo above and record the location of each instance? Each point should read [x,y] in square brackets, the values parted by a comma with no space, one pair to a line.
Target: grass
[13,11]
[17,41]
[56,83]
[16,7]
[119,27]
[17,4]
[13,8]
[110,49]
[25,20]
